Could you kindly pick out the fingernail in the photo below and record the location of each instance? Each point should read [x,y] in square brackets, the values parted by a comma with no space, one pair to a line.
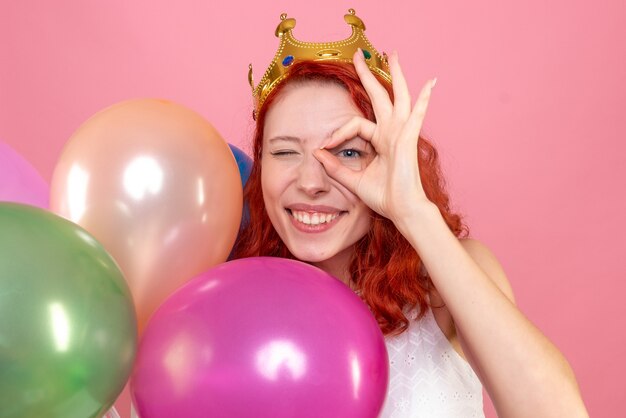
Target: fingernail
[433,82]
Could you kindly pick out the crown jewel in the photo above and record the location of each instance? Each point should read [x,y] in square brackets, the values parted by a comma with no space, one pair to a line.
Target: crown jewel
[291,50]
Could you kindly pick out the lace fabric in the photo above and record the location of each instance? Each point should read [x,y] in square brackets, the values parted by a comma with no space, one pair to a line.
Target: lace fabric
[427,377]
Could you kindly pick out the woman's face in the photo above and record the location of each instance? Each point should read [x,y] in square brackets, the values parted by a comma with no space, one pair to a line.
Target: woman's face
[317,218]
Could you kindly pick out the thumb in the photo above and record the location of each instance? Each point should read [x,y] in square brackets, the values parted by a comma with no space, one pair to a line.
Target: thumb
[344,175]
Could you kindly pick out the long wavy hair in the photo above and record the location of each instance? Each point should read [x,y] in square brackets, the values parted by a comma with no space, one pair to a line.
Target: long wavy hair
[384,268]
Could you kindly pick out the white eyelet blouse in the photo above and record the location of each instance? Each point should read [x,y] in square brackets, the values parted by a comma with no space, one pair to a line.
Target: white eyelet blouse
[427,377]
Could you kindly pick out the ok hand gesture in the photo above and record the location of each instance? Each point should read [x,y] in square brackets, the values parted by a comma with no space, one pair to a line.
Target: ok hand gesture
[390,184]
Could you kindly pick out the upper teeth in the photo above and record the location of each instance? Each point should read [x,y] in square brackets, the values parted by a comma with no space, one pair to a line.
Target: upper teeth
[314,218]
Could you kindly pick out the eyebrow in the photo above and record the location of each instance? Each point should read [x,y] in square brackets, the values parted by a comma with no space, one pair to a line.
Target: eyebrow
[285,138]
[295,138]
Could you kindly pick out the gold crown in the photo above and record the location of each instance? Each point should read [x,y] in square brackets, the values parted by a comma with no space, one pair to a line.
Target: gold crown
[292,50]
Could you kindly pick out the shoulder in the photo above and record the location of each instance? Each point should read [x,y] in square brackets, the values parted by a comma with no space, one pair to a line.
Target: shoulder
[488,262]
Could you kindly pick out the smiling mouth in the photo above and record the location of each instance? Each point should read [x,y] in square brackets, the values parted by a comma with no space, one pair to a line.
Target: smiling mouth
[314,218]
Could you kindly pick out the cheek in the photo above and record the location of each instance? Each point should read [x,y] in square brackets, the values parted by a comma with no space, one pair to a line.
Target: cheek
[353,199]
[356,165]
[364,215]
[276,176]
[359,164]
[272,186]
[268,192]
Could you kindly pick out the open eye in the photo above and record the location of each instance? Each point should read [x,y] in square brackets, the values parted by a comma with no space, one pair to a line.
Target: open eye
[349,153]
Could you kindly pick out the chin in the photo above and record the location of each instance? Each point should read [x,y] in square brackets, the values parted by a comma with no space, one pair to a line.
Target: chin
[321,254]
[309,255]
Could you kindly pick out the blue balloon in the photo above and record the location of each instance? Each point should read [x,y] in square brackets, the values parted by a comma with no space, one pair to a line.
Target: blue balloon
[245,168]
[243,162]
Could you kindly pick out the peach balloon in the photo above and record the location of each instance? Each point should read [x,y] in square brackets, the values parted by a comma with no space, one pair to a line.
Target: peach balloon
[156,184]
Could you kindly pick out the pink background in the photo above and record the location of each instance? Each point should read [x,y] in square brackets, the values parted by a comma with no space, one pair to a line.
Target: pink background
[528,114]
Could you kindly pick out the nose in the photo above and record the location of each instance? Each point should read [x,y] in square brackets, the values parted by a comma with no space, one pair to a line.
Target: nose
[312,178]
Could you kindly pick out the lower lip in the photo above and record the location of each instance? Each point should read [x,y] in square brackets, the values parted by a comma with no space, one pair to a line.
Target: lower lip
[314,228]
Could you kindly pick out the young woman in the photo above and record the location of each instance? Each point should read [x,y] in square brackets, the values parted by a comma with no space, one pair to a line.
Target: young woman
[343,180]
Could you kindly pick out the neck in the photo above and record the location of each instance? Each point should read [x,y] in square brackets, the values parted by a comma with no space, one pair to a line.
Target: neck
[337,266]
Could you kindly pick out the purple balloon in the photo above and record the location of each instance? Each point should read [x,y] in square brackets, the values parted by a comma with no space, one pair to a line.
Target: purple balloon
[19,181]
[261,337]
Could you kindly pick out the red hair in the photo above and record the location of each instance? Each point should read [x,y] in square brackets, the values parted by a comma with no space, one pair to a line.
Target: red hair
[384,266]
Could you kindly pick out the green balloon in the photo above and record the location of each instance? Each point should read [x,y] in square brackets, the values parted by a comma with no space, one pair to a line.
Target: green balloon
[68,332]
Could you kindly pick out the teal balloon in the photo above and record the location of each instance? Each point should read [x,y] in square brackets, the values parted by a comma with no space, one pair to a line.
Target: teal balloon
[68,332]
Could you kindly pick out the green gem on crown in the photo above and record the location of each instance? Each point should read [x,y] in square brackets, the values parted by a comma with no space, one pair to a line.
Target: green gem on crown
[366,54]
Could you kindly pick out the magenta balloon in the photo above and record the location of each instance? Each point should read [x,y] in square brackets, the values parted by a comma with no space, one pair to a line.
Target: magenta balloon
[19,181]
[261,337]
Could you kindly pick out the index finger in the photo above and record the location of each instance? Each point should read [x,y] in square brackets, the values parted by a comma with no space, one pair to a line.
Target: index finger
[401,97]
[357,126]
[381,103]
